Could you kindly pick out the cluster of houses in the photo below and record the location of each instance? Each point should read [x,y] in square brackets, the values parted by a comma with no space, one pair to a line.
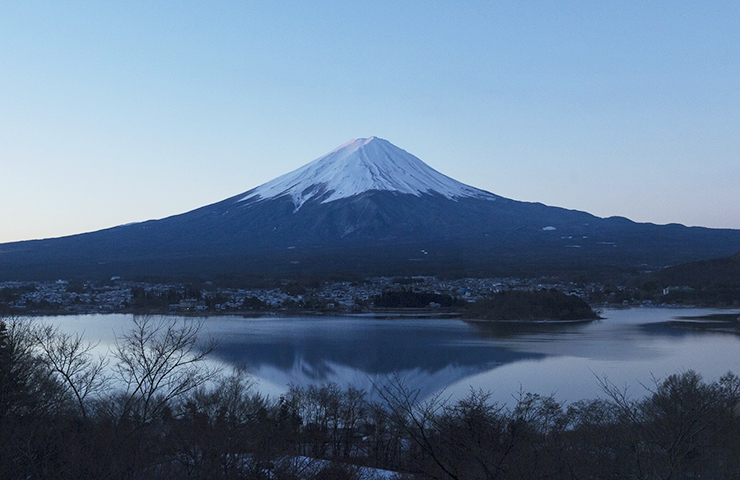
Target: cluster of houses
[117,295]
[62,297]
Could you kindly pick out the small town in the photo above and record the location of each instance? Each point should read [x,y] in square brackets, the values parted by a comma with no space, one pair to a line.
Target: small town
[117,295]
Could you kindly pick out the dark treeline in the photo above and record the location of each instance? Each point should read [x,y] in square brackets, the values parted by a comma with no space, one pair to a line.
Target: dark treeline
[408,298]
[531,305]
[505,305]
[153,409]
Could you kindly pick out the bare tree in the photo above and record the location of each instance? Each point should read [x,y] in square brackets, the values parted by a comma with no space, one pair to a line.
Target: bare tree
[159,361]
[217,425]
[69,358]
[155,365]
[417,420]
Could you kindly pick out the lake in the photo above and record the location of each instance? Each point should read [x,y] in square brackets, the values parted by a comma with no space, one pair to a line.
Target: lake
[628,347]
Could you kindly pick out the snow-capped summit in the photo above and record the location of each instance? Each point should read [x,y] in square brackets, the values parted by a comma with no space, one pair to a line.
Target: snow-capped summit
[359,166]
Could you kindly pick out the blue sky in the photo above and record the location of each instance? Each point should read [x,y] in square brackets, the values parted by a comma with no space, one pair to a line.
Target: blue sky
[116,112]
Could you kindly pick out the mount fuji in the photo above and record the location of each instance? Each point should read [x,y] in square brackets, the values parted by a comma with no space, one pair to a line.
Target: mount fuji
[367,208]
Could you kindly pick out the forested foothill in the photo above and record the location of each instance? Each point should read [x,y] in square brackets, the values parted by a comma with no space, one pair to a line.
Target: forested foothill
[710,283]
[155,408]
[513,305]
[531,305]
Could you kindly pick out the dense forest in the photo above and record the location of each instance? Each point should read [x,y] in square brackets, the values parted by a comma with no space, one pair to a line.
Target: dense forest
[408,298]
[534,305]
[154,408]
[515,305]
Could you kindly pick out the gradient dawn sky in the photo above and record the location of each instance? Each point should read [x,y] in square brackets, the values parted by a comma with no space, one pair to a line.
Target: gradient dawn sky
[122,111]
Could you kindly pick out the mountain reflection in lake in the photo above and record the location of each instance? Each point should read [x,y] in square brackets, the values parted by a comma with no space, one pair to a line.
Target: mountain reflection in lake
[629,347]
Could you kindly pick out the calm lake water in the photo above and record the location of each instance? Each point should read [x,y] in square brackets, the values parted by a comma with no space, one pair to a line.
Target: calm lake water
[629,348]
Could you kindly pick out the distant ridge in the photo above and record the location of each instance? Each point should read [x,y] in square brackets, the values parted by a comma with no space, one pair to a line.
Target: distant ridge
[368,208]
[717,271]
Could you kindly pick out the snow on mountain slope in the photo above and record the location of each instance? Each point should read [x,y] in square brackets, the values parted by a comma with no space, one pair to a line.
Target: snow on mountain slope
[358,166]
